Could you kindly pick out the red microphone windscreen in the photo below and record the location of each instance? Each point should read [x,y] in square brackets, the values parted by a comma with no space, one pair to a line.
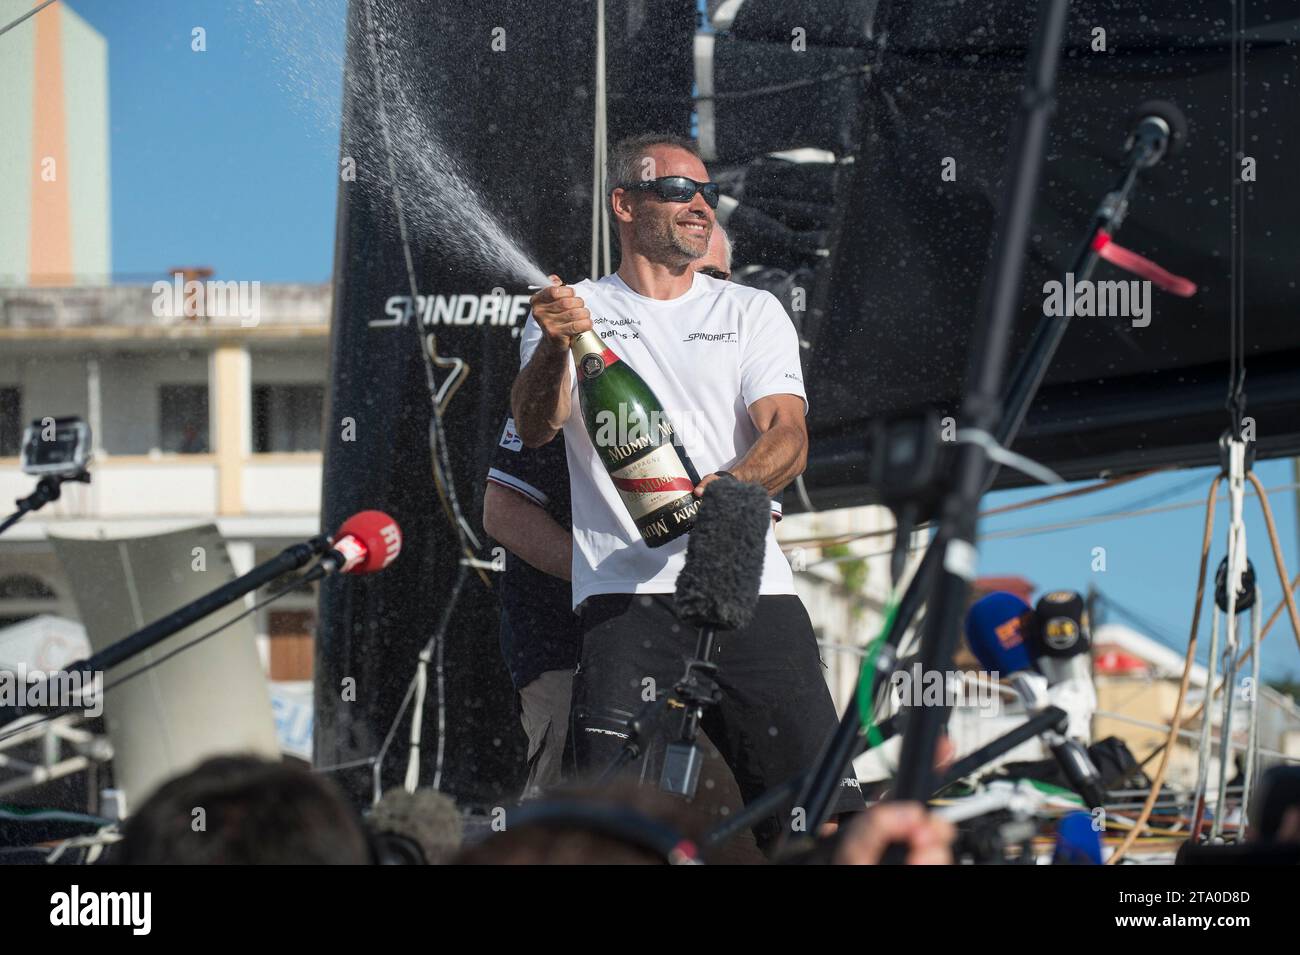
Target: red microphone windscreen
[380,536]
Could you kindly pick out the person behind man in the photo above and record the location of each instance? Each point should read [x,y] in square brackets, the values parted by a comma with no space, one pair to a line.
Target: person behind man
[724,361]
[526,510]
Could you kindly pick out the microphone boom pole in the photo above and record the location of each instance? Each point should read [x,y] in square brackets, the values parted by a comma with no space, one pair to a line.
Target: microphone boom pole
[1050,330]
[288,560]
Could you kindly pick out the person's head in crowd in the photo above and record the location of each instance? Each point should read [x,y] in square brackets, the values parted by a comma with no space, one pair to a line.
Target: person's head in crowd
[717,261]
[629,824]
[618,824]
[241,810]
[419,828]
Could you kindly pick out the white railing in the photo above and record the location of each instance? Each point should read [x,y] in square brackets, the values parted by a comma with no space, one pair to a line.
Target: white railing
[282,484]
[174,486]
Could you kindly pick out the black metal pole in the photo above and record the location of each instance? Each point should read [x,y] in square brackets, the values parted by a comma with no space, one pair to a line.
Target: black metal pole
[290,559]
[770,801]
[1051,718]
[48,489]
[1030,135]
[695,708]
[982,408]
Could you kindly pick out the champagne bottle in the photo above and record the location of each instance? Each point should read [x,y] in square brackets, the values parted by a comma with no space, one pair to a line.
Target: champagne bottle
[636,443]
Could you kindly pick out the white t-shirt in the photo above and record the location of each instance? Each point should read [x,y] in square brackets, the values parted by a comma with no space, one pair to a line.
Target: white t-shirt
[707,356]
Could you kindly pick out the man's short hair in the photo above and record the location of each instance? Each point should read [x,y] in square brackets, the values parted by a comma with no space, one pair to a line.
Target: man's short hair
[625,157]
[253,811]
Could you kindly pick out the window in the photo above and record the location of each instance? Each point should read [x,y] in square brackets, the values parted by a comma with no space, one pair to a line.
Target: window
[183,419]
[23,596]
[11,423]
[292,643]
[25,587]
[287,418]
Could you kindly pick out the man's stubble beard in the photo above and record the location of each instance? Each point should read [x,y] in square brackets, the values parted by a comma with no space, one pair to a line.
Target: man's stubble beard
[661,243]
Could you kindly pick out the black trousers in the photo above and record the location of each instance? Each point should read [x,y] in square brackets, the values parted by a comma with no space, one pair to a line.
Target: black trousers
[775,713]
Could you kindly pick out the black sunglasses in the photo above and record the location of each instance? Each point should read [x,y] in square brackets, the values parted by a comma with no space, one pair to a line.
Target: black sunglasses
[679,189]
[715,273]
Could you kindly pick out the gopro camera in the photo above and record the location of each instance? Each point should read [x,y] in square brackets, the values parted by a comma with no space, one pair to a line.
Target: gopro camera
[56,446]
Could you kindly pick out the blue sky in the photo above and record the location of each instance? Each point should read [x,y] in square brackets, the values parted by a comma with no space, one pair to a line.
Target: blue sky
[1151,561]
[229,158]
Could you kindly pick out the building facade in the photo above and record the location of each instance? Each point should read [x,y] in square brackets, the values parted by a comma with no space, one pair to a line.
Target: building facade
[54,156]
[195,418]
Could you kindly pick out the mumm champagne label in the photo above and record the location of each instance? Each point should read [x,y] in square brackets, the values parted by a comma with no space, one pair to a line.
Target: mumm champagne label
[657,493]
[635,443]
[622,436]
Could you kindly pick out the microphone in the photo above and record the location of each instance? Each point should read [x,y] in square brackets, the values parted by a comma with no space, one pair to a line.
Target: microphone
[1077,842]
[998,627]
[419,828]
[1059,641]
[1159,129]
[997,631]
[718,586]
[717,589]
[367,542]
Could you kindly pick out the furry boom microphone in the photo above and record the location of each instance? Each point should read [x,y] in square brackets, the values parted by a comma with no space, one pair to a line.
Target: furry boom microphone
[719,583]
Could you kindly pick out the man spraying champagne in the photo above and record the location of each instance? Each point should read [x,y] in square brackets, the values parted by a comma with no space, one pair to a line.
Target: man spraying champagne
[721,363]
[526,508]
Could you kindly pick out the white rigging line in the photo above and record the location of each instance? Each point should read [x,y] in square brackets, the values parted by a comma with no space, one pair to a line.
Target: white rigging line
[1236,446]
[1204,750]
[1252,740]
[1232,584]
[599,157]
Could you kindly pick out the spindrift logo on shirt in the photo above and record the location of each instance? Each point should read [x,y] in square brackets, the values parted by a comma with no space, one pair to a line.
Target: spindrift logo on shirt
[495,309]
[710,337]
[510,439]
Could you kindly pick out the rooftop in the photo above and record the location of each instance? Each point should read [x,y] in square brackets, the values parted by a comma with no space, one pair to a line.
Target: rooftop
[175,309]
